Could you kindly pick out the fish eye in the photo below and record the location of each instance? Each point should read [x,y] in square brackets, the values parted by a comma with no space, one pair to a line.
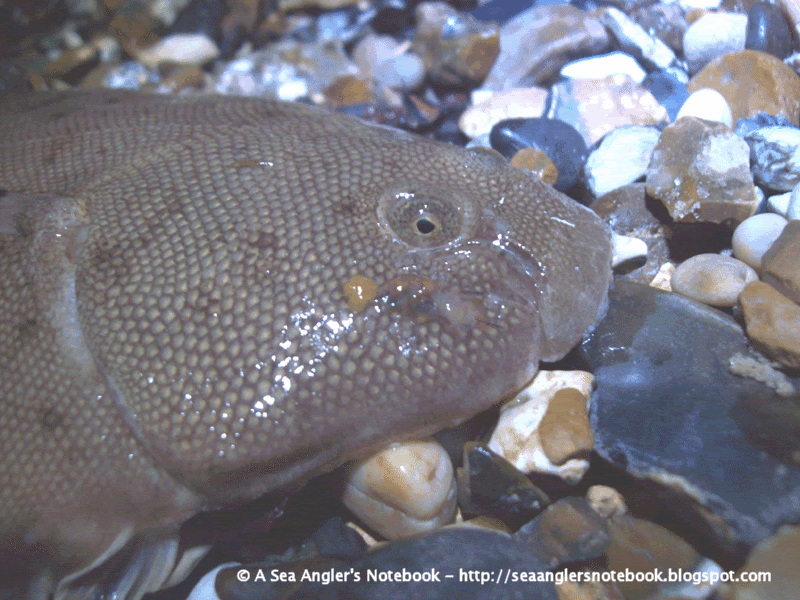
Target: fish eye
[421,217]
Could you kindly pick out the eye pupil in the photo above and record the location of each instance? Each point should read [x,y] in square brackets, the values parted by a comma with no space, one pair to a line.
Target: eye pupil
[425,226]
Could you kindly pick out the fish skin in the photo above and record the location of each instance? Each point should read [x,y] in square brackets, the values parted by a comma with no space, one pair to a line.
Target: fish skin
[176,335]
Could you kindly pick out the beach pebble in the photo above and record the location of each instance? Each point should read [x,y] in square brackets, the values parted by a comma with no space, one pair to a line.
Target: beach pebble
[711,36]
[752,82]
[688,5]
[746,126]
[596,106]
[753,237]
[405,489]
[793,208]
[773,322]
[606,501]
[537,162]
[597,67]
[780,265]
[626,249]
[387,61]
[707,104]
[664,21]
[712,279]
[700,170]
[669,89]
[779,204]
[779,556]
[518,437]
[181,48]
[775,155]
[518,103]
[768,30]
[633,38]
[621,158]
[565,146]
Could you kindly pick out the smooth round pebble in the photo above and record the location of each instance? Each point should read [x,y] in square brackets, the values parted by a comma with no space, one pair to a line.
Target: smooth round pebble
[753,237]
[768,30]
[707,104]
[712,279]
[711,36]
[626,248]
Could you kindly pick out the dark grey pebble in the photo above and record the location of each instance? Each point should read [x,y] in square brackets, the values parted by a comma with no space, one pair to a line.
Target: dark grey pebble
[559,140]
[768,31]
[667,409]
[750,124]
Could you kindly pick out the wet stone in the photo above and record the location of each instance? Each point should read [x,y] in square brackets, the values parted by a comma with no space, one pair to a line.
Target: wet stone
[773,322]
[556,139]
[597,67]
[566,531]
[712,279]
[711,36]
[522,103]
[752,82]
[621,158]
[775,155]
[664,21]
[661,412]
[746,126]
[635,40]
[535,44]
[753,237]
[537,162]
[707,104]
[565,429]
[768,30]
[489,485]
[779,555]
[781,262]
[596,106]
[700,170]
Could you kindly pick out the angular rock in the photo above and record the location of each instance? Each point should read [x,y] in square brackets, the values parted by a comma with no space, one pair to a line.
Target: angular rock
[779,204]
[754,236]
[535,44]
[712,279]
[596,106]
[775,155]
[773,322]
[634,39]
[661,412]
[780,265]
[711,36]
[752,82]
[700,170]
[621,158]
[768,30]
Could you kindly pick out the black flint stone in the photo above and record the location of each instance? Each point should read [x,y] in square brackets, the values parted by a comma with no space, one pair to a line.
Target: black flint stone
[560,141]
[768,31]
[665,410]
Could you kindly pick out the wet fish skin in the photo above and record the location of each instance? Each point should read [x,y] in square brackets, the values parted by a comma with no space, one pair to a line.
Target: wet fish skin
[184,321]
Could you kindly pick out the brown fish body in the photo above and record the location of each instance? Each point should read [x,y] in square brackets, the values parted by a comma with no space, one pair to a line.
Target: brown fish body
[179,329]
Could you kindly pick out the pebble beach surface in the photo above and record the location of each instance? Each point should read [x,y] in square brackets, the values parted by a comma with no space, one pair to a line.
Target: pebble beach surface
[669,441]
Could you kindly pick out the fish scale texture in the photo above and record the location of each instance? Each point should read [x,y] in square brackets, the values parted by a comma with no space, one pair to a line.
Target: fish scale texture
[176,330]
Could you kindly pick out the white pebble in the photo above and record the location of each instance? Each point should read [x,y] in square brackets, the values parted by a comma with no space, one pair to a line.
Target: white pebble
[626,248]
[707,104]
[205,589]
[712,279]
[599,67]
[181,48]
[712,36]
[516,103]
[688,5]
[406,489]
[753,237]
[779,204]
[793,208]
[621,158]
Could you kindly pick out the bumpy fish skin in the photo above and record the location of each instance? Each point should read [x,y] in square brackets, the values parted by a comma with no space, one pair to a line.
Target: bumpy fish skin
[176,332]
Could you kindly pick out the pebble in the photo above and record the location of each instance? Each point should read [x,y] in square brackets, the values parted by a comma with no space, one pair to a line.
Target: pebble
[627,249]
[557,139]
[664,21]
[661,412]
[537,162]
[779,556]
[775,156]
[598,67]
[457,49]
[606,501]
[535,44]
[388,61]
[700,170]
[634,39]
[564,429]
[707,104]
[567,531]
[768,31]
[596,106]
[518,103]
[781,263]
[746,126]
[711,36]
[752,82]
[712,279]
[621,158]
[518,435]
[773,322]
[779,204]
[688,5]
[753,237]
[663,279]
[793,207]
[181,48]
[669,89]
[405,489]
[491,486]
